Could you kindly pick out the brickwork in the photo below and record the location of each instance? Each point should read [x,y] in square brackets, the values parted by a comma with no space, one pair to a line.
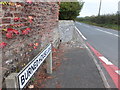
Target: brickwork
[26,28]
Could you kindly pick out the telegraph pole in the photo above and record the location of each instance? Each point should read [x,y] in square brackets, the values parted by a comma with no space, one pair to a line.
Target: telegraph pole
[99,8]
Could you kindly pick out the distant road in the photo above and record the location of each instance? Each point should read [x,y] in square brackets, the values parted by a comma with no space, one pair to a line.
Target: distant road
[102,39]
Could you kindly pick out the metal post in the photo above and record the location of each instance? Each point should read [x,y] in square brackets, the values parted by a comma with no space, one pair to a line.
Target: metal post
[99,8]
[49,63]
[11,82]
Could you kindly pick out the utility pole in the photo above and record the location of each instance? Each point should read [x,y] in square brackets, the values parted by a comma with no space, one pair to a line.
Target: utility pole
[119,7]
[99,8]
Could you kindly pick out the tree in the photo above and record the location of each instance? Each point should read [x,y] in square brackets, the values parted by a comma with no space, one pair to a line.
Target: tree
[70,10]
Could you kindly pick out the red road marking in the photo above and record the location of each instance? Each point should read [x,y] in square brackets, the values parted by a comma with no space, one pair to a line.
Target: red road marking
[109,68]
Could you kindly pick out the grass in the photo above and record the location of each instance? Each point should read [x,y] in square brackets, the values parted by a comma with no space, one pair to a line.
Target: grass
[110,26]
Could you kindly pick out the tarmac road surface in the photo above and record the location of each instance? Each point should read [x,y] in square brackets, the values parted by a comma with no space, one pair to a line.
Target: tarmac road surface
[103,40]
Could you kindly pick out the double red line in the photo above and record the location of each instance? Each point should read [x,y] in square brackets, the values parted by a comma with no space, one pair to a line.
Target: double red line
[110,67]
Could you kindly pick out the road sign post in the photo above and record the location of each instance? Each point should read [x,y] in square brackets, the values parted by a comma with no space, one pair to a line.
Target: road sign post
[49,63]
[21,79]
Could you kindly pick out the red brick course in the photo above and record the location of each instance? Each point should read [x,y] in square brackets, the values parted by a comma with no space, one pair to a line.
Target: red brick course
[32,26]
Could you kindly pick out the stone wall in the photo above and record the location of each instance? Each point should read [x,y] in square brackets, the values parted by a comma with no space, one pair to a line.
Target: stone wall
[26,28]
[66,28]
[69,34]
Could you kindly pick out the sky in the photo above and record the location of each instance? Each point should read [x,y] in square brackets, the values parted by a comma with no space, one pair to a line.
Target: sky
[91,7]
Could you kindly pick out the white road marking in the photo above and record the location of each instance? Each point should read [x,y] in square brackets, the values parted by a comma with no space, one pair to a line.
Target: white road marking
[118,72]
[78,23]
[105,60]
[100,30]
[81,34]
[86,26]
[108,32]
[106,84]
[83,24]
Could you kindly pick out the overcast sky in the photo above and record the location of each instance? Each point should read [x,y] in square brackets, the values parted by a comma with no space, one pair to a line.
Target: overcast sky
[91,7]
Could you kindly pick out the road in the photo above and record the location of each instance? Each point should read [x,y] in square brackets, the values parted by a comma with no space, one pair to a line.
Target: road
[102,39]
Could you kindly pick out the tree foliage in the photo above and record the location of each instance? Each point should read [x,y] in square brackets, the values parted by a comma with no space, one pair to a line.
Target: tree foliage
[108,21]
[103,19]
[70,10]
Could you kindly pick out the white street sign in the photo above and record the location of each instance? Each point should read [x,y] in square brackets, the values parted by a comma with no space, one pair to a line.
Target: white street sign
[30,69]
